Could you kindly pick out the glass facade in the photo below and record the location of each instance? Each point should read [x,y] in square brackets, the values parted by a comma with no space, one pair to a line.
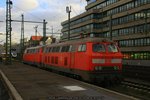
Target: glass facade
[83,19]
[124,7]
[135,42]
[142,29]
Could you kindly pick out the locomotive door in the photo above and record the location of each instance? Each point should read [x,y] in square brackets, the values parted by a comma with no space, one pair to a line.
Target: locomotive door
[72,58]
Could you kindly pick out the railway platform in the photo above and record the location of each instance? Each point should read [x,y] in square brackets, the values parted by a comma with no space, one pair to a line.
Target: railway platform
[25,82]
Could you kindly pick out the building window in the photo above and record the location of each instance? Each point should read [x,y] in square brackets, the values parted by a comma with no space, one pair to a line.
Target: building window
[144,55]
[135,42]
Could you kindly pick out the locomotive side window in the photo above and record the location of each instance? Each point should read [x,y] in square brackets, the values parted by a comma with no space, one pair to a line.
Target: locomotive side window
[82,48]
[30,50]
[70,48]
[57,49]
[54,49]
[112,48]
[38,50]
[98,48]
[44,50]
[49,50]
[65,49]
[34,50]
[27,51]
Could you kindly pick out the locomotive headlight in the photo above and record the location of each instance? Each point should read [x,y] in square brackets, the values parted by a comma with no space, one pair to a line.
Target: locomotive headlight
[98,68]
[116,68]
[98,61]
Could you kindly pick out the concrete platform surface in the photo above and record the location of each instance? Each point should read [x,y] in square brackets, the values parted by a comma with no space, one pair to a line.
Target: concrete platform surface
[29,83]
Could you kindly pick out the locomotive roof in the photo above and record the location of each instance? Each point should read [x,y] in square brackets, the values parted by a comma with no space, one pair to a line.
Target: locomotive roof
[35,47]
[83,40]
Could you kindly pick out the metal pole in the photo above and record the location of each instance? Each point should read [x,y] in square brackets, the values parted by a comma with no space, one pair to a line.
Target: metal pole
[110,27]
[22,37]
[36,30]
[44,29]
[69,26]
[23,32]
[52,31]
[35,35]
[8,31]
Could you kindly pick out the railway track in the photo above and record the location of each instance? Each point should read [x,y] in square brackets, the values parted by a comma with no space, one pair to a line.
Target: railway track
[136,86]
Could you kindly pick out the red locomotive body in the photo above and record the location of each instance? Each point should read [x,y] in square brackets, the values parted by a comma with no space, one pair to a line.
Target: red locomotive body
[33,56]
[92,59]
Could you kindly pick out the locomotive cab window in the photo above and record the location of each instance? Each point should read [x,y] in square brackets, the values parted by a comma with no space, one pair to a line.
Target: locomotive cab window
[112,48]
[98,47]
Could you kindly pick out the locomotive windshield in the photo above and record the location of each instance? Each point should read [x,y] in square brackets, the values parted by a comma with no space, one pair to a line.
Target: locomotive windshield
[112,48]
[98,48]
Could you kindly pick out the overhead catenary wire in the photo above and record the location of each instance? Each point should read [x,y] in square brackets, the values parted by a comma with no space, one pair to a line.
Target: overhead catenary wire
[28,13]
[74,10]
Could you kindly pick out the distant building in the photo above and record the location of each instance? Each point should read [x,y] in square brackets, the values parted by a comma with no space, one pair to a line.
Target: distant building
[34,41]
[48,40]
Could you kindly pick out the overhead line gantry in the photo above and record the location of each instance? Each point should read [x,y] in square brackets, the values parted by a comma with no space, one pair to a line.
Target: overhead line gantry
[9,29]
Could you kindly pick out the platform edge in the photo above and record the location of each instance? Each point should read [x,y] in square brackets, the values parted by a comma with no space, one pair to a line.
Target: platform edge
[12,89]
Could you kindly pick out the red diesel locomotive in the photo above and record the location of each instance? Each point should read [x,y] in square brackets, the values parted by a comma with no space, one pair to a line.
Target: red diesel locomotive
[33,56]
[92,59]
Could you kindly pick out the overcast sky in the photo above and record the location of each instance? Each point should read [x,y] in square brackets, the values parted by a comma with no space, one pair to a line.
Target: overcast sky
[53,11]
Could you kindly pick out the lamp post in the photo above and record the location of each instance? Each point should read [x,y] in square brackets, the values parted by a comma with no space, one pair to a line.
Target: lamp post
[68,10]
